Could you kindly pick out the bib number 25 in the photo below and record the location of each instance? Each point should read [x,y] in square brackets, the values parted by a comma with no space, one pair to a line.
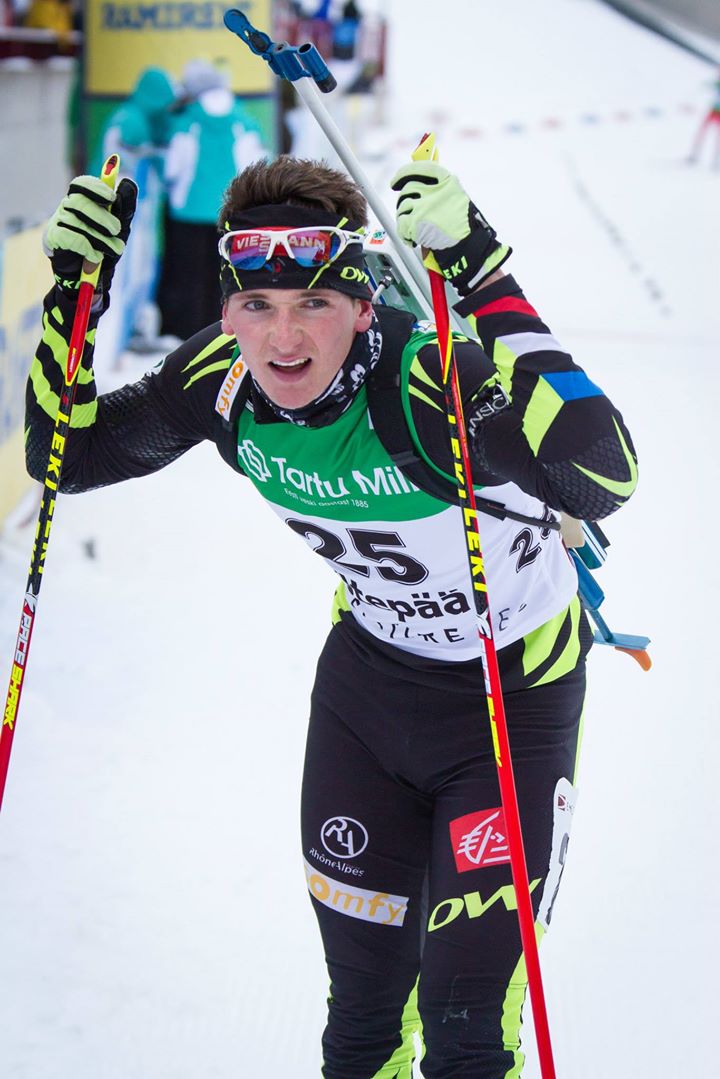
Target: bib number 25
[379,547]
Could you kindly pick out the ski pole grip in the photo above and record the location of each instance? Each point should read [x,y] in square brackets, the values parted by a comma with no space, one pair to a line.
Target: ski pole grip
[108,175]
[318,69]
[238,23]
[426,150]
[287,61]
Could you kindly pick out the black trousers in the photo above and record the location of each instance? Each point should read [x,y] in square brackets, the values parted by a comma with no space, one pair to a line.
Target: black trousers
[407,860]
[188,292]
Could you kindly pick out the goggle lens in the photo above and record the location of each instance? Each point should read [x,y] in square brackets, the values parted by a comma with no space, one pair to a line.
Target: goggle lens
[313,247]
[309,247]
[247,250]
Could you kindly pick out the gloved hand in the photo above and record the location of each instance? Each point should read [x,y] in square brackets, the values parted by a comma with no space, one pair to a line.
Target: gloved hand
[434,211]
[91,222]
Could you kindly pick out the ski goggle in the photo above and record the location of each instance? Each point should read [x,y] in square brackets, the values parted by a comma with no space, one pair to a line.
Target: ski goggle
[250,249]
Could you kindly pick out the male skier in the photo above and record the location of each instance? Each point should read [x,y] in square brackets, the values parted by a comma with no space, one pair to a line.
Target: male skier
[332,407]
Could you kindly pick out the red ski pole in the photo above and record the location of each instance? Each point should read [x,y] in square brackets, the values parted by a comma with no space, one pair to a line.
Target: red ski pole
[86,292]
[493,690]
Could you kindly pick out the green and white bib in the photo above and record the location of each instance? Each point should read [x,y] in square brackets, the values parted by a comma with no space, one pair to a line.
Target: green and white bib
[399,551]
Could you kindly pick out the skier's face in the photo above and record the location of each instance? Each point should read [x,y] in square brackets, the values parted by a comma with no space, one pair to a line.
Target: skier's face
[294,341]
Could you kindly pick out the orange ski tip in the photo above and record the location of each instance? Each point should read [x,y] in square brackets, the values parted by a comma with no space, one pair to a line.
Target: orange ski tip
[639,654]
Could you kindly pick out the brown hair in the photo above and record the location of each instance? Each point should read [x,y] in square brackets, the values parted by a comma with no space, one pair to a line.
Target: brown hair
[296,182]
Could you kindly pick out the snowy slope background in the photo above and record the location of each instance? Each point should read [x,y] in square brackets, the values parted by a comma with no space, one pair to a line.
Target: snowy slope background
[155,921]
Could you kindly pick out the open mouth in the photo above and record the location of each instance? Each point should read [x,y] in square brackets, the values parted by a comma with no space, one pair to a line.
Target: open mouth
[290,368]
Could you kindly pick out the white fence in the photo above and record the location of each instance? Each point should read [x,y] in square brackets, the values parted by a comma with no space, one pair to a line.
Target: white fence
[33,136]
[33,132]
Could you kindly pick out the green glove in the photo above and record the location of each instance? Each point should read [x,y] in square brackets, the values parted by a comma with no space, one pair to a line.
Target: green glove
[92,222]
[434,212]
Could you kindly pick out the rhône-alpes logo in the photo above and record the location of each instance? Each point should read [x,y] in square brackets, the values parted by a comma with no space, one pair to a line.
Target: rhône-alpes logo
[344,837]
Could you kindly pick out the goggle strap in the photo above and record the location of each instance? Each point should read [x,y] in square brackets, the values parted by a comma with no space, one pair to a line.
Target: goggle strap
[233,271]
[361,230]
[320,271]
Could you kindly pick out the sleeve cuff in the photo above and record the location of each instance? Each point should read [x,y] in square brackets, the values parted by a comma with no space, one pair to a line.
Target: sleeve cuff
[473,304]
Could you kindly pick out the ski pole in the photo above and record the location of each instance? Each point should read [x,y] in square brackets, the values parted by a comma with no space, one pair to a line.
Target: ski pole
[86,292]
[305,68]
[493,689]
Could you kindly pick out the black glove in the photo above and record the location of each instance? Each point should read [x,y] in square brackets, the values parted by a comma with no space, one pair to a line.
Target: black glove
[490,401]
[434,211]
[92,222]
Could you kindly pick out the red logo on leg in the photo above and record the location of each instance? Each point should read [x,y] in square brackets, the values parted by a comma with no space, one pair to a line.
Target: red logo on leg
[479,839]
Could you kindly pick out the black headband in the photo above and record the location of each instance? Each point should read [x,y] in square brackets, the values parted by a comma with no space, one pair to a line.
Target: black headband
[347,274]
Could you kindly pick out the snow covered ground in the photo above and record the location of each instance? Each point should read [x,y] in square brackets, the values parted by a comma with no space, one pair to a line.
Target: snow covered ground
[154,920]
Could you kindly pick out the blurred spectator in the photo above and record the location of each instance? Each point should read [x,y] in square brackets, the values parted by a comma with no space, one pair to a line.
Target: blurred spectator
[345,32]
[56,15]
[139,131]
[710,120]
[140,127]
[212,139]
[198,76]
[354,46]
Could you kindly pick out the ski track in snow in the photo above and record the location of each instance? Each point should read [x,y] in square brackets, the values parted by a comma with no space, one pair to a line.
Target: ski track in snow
[155,921]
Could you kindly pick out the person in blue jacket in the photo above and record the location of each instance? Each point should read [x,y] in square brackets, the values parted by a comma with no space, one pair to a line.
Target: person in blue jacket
[212,139]
[140,126]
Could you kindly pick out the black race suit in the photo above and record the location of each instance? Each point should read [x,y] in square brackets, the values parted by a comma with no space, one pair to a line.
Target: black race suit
[403,835]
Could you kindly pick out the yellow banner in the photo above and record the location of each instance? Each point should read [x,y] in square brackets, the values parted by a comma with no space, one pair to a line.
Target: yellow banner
[124,37]
[24,279]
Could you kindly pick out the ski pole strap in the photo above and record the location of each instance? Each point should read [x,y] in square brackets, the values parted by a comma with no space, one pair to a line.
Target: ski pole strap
[287,61]
[502,513]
